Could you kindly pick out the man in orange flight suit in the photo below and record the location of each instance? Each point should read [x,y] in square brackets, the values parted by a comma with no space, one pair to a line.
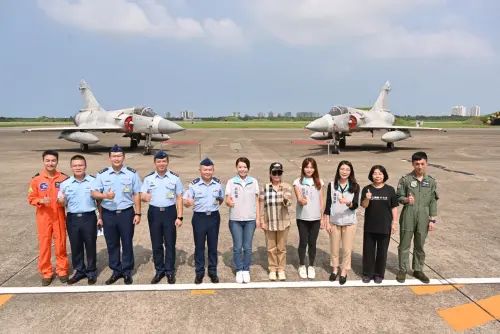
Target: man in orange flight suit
[50,218]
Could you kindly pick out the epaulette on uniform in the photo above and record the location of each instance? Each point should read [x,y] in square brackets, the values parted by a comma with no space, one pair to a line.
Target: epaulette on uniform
[432,177]
[92,176]
[174,173]
[37,174]
[150,174]
[216,179]
[131,169]
[103,170]
[195,181]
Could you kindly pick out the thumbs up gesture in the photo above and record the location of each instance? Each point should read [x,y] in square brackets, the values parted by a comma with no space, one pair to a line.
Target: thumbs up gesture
[368,194]
[147,196]
[342,199]
[188,202]
[110,194]
[230,202]
[62,198]
[411,199]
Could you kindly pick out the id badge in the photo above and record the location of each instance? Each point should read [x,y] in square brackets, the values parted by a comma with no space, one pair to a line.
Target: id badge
[170,195]
[126,190]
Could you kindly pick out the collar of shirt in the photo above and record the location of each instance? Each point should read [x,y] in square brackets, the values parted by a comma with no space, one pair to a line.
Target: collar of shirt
[46,175]
[212,181]
[339,187]
[270,185]
[156,175]
[248,180]
[123,170]
[415,176]
[309,181]
[86,178]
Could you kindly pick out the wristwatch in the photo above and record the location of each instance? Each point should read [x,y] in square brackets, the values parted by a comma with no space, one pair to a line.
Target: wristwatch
[180,218]
[432,221]
[138,214]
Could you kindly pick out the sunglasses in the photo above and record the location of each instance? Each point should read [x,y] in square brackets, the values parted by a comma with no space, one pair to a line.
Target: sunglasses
[277,172]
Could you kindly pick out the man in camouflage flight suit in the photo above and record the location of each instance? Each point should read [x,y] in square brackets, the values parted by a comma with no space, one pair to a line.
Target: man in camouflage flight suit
[417,191]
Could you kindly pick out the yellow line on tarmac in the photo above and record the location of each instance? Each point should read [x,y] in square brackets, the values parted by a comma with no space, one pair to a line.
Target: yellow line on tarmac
[4,299]
[202,292]
[470,315]
[424,290]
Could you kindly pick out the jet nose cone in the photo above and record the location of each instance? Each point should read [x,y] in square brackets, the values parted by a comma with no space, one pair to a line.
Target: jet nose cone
[166,126]
[318,125]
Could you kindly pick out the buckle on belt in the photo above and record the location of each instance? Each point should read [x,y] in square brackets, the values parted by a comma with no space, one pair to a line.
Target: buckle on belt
[208,213]
[118,211]
[162,209]
[79,214]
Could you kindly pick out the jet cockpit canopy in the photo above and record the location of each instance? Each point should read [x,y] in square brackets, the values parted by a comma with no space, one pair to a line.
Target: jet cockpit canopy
[338,110]
[144,111]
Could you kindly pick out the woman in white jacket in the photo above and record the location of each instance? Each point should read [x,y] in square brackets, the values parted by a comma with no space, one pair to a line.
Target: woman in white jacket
[340,217]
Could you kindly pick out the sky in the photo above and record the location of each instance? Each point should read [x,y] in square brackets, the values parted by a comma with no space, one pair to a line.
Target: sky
[222,56]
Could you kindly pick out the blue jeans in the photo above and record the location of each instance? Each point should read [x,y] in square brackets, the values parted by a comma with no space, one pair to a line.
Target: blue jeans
[242,232]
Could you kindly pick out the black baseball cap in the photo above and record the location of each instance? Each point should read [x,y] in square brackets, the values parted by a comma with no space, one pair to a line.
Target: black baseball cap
[275,166]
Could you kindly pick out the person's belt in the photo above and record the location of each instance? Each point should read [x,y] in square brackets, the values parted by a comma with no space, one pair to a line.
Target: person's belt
[162,208]
[208,213]
[81,214]
[118,211]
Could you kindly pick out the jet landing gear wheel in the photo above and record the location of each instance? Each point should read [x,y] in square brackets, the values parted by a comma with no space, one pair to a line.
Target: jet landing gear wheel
[134,143]
[335,149]
[147,145]
[342,143]
[84,148]
[390,146]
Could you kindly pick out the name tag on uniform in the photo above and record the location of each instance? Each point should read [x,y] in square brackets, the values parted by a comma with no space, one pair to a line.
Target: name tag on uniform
[126,190]
[425,184]
[170,195]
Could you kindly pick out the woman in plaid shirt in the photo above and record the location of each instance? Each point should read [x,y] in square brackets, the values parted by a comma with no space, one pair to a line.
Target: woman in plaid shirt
[276,198]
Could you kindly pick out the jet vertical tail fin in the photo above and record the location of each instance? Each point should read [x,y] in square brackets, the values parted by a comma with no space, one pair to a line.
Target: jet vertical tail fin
[89,100]
[381,103]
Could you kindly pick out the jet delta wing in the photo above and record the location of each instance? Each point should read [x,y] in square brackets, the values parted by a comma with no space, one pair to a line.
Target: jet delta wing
[137,123]
[341,121]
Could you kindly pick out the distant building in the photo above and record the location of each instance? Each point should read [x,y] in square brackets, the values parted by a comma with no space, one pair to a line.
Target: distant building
[187,114]
[236,114]
[475,111]
[270,114]
[458,111]
[288,114]
[308,114]
[261,115]
[168,114]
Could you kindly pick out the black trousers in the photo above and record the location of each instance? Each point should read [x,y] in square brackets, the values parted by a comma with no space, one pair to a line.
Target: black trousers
[205,229]
[308,234]
[82,233]
[375,246]
[119,230]
[163,234]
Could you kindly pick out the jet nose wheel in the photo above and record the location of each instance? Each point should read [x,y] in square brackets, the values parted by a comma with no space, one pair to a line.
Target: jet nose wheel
[84,148]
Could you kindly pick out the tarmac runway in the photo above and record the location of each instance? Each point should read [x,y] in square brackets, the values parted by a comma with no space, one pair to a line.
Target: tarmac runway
[466,245]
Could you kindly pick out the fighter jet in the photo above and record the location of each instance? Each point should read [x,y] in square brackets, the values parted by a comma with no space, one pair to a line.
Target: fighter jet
[341,121]
[137,123]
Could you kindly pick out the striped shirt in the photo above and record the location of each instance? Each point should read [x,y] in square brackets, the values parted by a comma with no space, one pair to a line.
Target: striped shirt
[276,203]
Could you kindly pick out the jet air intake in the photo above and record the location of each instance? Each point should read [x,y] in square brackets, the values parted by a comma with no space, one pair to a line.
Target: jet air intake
[393,136]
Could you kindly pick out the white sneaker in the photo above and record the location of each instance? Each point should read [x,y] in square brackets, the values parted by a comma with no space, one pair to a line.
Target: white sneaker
[302,272]
[246,276]
[281,275]
[239,277]
[311,273]
[272,276]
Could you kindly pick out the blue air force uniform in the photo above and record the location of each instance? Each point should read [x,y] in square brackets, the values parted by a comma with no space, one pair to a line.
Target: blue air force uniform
[81,224]
[118,214]
[162,214]
[206,220]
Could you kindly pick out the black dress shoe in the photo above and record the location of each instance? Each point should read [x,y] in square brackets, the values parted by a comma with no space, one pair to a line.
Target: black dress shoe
[198,280]
[342,279]
[128,280]
[75,279]
[157,278]
[92,280]
[366,279]
[214,279]
[333,276]
[113,279]
[378,280]
[171,279]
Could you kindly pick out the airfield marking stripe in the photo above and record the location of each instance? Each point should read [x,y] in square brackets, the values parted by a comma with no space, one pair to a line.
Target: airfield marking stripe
[470,315]
[4,299]
[424,290]
[309,142]
[202,292]
[223,286]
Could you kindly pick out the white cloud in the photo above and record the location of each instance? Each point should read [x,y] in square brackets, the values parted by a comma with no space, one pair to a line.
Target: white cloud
[145,17]
[376,27]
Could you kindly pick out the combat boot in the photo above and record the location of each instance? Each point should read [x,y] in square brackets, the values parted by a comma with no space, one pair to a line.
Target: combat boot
[401,277]
[421,276]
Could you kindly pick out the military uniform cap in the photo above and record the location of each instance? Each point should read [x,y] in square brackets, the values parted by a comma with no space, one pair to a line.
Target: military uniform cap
[161,154]
[116,148]
[206,162]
